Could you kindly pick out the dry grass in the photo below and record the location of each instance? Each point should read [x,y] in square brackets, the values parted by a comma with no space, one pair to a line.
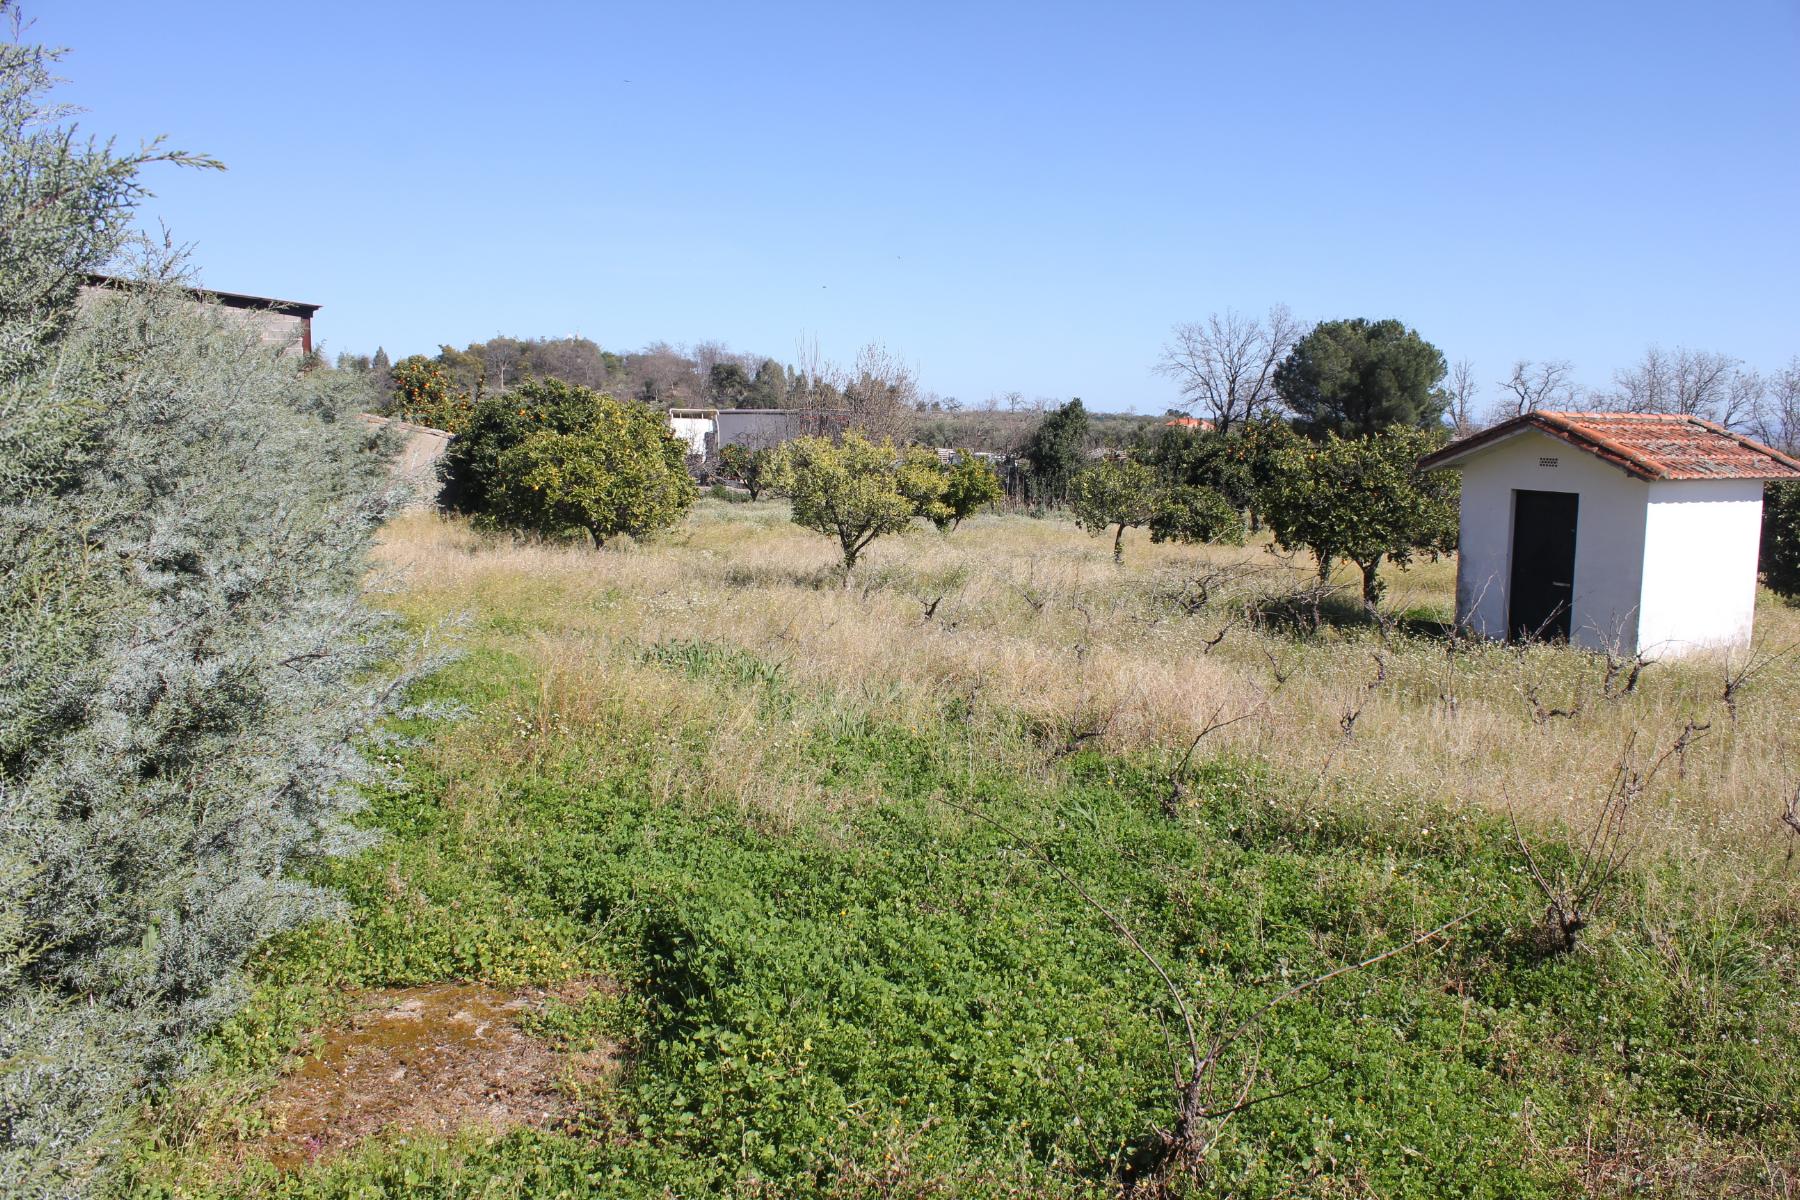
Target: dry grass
[1034,627]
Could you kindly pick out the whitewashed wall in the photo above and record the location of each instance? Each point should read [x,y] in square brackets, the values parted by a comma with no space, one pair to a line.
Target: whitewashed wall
[693,430]
[1700,548]
[1609,537]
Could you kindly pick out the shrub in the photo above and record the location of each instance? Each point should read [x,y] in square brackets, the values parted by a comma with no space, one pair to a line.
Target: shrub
[187,663]
[1052,455]
[1780,561]
[554,458]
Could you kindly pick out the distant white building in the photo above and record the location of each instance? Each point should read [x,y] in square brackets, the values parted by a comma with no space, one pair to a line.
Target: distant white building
[695,426]
[1630,531]
[709,430]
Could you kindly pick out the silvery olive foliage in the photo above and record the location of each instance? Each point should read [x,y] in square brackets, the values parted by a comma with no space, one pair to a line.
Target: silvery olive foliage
[187,664]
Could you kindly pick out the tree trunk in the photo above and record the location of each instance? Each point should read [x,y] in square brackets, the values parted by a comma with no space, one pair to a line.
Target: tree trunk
[1118,545]
[1371,585]
[1324,567]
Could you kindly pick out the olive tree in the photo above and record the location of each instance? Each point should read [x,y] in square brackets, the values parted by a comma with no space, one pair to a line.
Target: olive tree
[1364,499]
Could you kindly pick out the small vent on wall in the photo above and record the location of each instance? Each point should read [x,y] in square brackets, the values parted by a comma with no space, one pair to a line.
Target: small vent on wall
[1547,461]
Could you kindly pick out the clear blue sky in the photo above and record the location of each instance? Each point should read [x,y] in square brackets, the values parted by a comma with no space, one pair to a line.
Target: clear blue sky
[1011,196]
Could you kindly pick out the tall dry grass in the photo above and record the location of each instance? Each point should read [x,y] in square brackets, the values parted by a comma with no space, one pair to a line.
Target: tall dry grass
[1027,624]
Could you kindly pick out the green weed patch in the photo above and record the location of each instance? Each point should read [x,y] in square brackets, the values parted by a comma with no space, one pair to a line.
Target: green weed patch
[897,998]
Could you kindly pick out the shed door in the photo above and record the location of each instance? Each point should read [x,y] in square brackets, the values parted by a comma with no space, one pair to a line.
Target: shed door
[1542,592]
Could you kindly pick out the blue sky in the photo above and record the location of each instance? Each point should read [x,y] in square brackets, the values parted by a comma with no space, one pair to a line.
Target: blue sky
[1012,197]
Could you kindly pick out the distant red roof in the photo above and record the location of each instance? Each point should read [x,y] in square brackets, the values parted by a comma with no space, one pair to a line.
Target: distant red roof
[1647,445]
[1188,423]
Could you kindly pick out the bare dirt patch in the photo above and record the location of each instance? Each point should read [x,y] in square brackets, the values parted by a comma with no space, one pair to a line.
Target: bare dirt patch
[429,1060]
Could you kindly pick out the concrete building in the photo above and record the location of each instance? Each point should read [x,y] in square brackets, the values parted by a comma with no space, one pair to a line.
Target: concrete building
[709,430]
[285,325]
[1626,531]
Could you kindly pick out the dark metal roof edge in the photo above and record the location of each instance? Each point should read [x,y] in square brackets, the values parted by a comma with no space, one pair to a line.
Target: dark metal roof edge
[230,299]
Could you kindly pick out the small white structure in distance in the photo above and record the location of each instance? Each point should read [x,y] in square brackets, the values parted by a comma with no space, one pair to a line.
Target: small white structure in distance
[1632,532]
[709,430]
[696,427]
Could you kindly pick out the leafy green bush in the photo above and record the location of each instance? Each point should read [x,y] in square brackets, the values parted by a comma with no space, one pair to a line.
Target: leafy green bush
[1780,559]
[554,458]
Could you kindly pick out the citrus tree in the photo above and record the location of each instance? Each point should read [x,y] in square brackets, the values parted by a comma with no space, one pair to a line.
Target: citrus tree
[755,469]
[1780,560]
[1192,513]
[554,458]
[1363,499]
[855,490]
[971,484]
[424,396]
[1117,494]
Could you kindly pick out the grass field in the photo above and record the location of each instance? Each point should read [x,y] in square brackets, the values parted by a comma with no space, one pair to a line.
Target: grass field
[849,856]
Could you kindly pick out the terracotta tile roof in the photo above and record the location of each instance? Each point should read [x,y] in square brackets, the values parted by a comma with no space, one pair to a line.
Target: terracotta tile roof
[1188,423]
[1647,445]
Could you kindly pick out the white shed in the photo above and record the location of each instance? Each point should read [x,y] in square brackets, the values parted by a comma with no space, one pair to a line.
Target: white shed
[1628,531]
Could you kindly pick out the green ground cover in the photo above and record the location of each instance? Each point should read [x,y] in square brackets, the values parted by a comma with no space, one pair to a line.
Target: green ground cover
[886,995]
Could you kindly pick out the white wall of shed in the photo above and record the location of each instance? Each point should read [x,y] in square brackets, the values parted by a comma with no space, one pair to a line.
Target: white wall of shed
[692,430]
[1609,537]
[1700,546]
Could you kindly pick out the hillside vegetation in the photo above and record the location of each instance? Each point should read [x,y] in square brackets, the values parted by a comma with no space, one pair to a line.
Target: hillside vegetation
[859,861]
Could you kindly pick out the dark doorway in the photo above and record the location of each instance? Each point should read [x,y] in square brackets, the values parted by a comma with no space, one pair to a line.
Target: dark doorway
[1542,593]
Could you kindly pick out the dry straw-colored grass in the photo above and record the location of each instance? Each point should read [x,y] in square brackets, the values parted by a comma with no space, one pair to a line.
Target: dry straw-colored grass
[1035,628]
